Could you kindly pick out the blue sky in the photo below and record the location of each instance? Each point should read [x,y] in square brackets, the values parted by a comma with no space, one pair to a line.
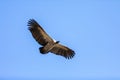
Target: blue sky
[90,27]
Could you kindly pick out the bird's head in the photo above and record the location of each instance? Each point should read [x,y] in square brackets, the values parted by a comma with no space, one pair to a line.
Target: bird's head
[57,42]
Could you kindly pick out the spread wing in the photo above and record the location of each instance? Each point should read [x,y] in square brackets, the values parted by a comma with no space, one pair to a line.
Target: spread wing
[38,33]
[64,51]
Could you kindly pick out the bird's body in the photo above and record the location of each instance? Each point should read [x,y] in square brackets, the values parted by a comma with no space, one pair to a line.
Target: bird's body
[47,47]
[48,44]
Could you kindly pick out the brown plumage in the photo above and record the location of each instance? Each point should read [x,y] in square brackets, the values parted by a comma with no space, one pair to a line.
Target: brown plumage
[49,45]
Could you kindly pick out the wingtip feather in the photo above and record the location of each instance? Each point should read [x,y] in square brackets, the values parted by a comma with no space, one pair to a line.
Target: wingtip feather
[32,22]
[70,56]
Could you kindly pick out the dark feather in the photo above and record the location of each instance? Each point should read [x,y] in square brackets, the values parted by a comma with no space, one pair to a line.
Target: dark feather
[64,51]
[38,33]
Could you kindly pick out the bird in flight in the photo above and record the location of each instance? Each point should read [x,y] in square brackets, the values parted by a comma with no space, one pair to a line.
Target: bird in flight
[48,44]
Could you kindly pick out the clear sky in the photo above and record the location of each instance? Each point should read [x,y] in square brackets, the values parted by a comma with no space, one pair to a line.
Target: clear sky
[90,27]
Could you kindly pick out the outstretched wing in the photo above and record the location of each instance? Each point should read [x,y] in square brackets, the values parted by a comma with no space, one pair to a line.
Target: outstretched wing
[38,33]
[64,51]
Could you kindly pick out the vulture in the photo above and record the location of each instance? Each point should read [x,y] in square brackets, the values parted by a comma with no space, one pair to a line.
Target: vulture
[48,44]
